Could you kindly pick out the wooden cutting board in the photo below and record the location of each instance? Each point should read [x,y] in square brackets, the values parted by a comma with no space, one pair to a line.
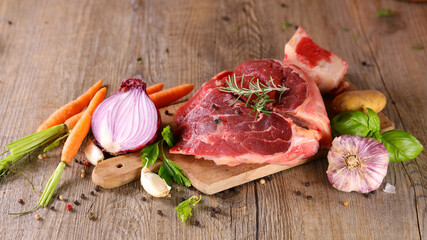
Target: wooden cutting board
[205,175]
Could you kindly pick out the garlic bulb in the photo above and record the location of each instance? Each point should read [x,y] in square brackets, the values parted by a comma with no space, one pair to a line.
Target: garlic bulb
[93,154]
[153,184]
[357,164]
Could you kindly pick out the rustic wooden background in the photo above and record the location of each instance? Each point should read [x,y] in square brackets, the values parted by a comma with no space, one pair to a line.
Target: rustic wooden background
[51,51]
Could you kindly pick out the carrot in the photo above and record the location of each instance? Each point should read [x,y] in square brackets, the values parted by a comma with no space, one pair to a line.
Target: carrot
[72,121]
[168,96]
[71,108]
[79,132]
[155,88]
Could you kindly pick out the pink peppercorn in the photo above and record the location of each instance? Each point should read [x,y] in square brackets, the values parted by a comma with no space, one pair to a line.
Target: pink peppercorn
[68,207]
[87,164]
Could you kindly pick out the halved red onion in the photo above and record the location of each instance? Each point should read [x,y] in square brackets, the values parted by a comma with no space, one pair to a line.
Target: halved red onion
[126,121]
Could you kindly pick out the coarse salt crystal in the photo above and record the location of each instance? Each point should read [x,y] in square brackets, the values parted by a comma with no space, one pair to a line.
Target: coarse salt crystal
[389,188]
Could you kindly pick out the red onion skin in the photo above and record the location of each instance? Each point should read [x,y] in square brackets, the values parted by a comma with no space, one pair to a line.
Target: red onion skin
[125,86]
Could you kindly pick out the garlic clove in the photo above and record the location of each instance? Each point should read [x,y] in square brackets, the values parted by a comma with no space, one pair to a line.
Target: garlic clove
[93,154]
[153,184]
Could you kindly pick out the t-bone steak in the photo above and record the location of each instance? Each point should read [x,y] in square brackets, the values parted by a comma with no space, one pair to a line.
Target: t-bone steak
[212,125]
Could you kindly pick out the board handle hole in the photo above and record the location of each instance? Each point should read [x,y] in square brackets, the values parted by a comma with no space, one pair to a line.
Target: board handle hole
[119,165]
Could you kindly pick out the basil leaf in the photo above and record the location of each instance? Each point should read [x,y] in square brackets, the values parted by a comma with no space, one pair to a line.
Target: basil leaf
[150,154]
[352,123]
[183,210]
[374,122]
[378,136]
[401,145]
[168,136]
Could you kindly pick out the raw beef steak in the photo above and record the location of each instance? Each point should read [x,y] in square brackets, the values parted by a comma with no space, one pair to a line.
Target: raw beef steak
[211,127]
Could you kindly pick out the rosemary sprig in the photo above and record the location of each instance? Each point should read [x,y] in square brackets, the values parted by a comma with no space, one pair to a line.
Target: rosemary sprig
[256,88]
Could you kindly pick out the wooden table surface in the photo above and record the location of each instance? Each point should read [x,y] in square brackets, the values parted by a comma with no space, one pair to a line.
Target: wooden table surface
[51,51]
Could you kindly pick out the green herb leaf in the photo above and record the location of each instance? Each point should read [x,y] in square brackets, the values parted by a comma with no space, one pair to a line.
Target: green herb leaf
[355,36]
[168,136]
[285,25]
[346,29]
[352,123]
[183,210]
[418,47]
[170,169]
[150,154]
[401,145]
[374,123]
[385,12]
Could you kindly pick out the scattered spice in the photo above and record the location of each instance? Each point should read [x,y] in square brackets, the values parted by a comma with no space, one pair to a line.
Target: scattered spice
[417,47]
[283,5]
[40,157]
[97,188]
[237,111]
[355,36]
[87,164]
[92,193]
[309,197]
[82,170]
[268,178]
[225,18]
[364,63]
[160,212]
[90,216]
[346,29]
[82,196]
[196,223]
[237,28]
[284,26]
[37,217]
[10,22]
[298,193]
[183,199]
[213,106]
[76,161]
[307,184]
[69,207]
[167,50]
[21,201]
[385,12]
[82,175]
[168,113]
[296,27]
[76,203]
[45,155]
[214,41]
[346,204]
[212,214]
[4,192]
[80,162]
[262,181]
[139,59]
[218,120]
[217,210]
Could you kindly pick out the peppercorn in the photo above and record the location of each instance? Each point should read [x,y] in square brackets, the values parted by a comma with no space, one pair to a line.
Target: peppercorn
[45,155]
[283,5]
[262,181]
[298,193]
[237,111]
[196,223]
[307,184]
[37,216]
[97,188]
[77,203]
[82,175]
[61,197]
[52,208]
[21,201]
[160,212]
[9,22]
[309,197]
[213,106]
[92,193]
[87,164]
[364,63]
[40,157]
[69,207]
[346,204]
[144,199]
[212,214]
[76,161]
[217,210]
[82,170]
[168,113]
[268,178]
[183,199]
[90,216]
[82,196]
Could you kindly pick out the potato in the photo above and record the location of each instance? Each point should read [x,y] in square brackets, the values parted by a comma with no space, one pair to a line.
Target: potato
[360,101]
